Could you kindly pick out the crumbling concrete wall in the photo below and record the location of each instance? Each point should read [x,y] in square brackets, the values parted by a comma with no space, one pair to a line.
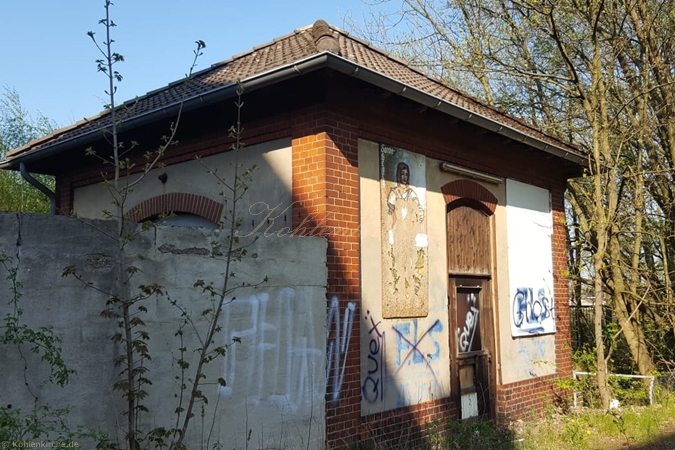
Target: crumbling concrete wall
[276,379]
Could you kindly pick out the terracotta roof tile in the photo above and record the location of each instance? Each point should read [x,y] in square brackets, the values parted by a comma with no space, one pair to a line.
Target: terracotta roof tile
[280,52]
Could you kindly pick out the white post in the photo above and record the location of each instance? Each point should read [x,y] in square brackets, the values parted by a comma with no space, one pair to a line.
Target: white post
[651,391]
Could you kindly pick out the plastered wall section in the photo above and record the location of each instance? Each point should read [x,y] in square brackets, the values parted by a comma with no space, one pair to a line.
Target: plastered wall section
[520,358]
[268,193]
[403,361]
[275,377]
[391,375]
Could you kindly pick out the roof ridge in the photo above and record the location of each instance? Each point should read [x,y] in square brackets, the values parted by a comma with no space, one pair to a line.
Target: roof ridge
[407,64]
[390,55]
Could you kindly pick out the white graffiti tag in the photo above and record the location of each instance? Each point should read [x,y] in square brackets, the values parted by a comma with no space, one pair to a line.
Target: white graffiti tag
[467,334]
[278,337]
[339,335]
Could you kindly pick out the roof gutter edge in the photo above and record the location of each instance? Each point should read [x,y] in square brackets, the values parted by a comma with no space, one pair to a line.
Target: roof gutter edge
[370,76]
[281,73]
[314,62]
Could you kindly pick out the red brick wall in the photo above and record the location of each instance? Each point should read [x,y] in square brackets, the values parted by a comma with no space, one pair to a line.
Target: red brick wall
[325,186]
[326,198]
[325,192]
[460,189]
[176,202]
[458,144]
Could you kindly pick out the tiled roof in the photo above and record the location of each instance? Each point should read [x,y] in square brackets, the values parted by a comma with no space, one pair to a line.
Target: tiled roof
[301,44]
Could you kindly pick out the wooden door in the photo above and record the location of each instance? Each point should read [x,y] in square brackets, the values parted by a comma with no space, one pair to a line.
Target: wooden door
[470,310]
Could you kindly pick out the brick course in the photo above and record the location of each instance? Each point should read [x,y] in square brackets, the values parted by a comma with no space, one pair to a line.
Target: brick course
[176,202]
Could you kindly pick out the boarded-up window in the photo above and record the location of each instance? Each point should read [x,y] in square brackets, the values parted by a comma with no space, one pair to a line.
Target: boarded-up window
[468,241]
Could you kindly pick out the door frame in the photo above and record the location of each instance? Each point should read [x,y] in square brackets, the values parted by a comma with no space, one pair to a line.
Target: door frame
[484,360]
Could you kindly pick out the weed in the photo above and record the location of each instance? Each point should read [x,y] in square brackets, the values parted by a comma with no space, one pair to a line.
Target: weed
[575,433]
[595,429]
[469,435]
[46,423]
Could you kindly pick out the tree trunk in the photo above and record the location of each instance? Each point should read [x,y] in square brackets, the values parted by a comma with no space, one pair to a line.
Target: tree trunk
[634,335]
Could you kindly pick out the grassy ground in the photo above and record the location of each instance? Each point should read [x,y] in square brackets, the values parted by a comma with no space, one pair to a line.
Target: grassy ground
[628,428]
[634,428]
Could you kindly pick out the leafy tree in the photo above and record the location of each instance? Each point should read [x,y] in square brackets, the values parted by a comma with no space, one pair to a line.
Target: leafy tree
[127,305]
[17,128]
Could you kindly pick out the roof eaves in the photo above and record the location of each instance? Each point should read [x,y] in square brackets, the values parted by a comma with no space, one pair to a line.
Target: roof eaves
[316,61]
[545,143]
[22,150]
[272,76]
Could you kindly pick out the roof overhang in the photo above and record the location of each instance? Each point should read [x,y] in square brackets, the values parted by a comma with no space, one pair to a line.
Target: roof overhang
[315,62]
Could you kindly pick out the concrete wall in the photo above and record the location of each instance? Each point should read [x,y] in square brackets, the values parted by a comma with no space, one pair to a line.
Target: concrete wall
[272,161]
[276,378]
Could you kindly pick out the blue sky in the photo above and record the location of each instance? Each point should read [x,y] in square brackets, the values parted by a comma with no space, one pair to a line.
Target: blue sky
[46,55]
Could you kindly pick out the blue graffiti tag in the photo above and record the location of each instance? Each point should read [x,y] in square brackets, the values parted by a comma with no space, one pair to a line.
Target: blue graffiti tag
[373,385]
[408,343]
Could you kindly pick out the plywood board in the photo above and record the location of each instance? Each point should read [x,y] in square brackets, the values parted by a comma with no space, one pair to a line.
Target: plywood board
[405,258]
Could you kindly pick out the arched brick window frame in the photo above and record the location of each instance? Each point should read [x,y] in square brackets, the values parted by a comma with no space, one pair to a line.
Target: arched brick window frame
[467,192]
[177,202]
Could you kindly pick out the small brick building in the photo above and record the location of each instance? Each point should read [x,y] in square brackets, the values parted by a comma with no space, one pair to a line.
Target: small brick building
[445,222]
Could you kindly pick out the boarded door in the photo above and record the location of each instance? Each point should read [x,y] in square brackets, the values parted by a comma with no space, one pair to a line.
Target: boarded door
[470,310]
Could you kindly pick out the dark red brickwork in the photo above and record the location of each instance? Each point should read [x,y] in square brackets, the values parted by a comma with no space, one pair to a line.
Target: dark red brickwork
[526,399]
[412,427]
[176,202]
[327,184]
[459,189]
[326,191]
[326,196]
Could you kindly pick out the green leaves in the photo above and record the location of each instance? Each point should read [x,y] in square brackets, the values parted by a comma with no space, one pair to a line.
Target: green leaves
[17,128]
[42,340]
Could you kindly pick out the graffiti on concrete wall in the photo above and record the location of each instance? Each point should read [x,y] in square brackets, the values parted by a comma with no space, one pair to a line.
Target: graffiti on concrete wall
[401,363]
[339,332]
[278,336]
[403,231]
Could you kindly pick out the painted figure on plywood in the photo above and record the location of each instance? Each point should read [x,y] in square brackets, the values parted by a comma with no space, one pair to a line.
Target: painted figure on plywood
[404,239]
